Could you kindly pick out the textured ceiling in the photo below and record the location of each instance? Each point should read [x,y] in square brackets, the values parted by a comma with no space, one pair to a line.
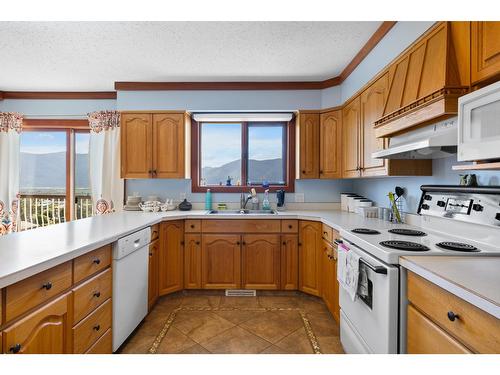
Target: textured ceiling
[91,56]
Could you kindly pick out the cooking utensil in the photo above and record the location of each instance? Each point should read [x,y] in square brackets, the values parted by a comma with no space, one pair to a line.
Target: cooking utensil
[399,192]
[395,210]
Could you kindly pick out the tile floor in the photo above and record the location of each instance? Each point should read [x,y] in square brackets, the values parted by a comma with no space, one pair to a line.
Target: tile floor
[208,322]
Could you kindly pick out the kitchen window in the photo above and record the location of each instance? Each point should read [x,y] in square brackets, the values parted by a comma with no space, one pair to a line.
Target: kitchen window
[234,156]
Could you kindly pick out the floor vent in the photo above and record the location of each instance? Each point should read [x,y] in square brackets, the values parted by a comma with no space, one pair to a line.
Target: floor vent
[240,293]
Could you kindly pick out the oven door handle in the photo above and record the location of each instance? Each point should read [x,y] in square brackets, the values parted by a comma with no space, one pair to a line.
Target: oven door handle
[376,269]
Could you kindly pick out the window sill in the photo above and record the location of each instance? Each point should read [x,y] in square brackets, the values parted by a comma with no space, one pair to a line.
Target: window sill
[240,189]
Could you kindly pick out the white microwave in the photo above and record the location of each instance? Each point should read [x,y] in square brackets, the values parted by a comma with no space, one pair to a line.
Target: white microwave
[479,124]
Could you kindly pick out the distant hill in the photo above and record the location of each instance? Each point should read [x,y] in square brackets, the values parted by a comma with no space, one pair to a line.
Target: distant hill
[260,170]
[47,171]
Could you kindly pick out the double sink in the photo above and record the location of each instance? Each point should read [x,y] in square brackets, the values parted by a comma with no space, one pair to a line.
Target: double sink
[242,212]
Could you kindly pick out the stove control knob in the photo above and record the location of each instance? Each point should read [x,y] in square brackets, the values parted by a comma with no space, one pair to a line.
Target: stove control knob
[427,197]
[425,207]
[477,207]
[441,203]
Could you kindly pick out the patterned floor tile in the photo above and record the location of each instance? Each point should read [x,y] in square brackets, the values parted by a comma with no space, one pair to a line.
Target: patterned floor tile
[236,341]
[203,326]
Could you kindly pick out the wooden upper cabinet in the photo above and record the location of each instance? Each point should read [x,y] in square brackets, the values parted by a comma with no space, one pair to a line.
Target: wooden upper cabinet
[260,262]
[46,330]
[221,261]
[330,135]
[136,145]
[371,107]
[168,145]
[171,259]
[309,145]
[153,269]
[351,139]
[310,259]
[192,261]
[485,50]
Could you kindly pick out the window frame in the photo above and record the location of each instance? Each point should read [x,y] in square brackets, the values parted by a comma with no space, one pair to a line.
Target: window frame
[70,127]
[288,160]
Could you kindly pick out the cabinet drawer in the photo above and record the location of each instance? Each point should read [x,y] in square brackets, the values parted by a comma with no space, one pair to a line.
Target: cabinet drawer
[91,294]
[425,337]
[155,232]
[91,263]
[104,345]
[241,226]
[192,226]
[327,233]
[28,293]
[289,226]
[91,328]
[475,328]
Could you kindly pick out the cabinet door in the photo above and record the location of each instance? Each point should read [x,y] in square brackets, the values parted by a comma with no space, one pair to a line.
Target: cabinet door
[289,261]
[329,287]
[171,257]
[309,145]
[330,161]
[192,261]
[485,50]
[351,139]
[44,331]
[136,141]
[154,253]
[260,262]
[221,261]
[310,257]
[372,107]
[168,145]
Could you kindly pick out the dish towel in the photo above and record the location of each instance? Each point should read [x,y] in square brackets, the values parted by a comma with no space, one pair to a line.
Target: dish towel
[348,270]
[363,281]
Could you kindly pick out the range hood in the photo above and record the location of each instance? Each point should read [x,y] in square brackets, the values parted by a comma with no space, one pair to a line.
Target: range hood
[430,142]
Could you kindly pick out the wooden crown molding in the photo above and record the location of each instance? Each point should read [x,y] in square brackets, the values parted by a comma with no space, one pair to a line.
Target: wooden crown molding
[58,95]
[290,85]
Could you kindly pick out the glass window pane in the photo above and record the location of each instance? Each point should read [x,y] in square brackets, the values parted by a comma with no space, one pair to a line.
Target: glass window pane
[265,153]
[83,199]
[42,178]
[220,153]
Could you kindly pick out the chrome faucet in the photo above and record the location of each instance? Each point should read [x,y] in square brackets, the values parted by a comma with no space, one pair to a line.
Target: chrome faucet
[244,200]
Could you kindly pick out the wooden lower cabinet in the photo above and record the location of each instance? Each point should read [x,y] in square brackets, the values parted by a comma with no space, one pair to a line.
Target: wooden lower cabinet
[153,272]
[260,261]
[289,261]
[171,259]
[103,345]
[46,330]
[330,285]
[310,257]
[192,261]
[221,261]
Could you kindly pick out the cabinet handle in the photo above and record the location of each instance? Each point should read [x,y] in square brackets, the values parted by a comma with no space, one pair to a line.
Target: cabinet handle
[47,285]
[97,261]
[197,242]
[237,242]
[150,172]
[182,243]
[290,226]
[15,348]
[192,226]
[300,243]
[96,328]
[303,172]
[452,316]
[284,243]
[97,294]
[150,254]
[154,173]
[244,243]
[320,172]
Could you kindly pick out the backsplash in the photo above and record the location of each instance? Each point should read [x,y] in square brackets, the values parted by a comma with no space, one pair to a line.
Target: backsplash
[376,189]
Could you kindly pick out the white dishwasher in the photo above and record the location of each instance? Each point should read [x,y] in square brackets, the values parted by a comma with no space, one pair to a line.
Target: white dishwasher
[130,284]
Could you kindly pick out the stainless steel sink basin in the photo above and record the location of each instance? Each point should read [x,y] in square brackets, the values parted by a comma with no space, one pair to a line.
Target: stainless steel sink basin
[242,212]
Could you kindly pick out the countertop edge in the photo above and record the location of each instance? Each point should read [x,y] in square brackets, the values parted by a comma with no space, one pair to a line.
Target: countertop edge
[459,291]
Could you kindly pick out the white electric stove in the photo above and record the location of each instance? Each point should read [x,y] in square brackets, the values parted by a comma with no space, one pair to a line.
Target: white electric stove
[455,220]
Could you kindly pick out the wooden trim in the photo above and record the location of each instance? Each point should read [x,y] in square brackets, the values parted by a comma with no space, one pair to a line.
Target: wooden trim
[59,95]
[40,124]
[1,95]
[366,49]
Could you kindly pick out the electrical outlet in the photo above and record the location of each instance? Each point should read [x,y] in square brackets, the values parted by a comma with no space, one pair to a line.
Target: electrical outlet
[299,197]
[183,196]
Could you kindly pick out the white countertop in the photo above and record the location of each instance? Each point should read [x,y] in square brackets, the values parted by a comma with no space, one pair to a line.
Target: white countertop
[27,253]
[474,279]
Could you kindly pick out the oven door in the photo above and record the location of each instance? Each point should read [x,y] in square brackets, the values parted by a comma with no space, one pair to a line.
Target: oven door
[370,324]
[478,130]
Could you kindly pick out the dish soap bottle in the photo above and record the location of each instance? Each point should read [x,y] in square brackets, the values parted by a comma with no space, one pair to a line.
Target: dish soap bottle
[265,203]
[208,200]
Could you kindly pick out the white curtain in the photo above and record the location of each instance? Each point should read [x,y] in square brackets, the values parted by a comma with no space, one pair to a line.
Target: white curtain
[104,154]
[10,132]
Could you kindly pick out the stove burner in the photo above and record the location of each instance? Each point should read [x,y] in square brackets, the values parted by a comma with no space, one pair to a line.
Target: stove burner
[408,232]
[365,231]
[457,246]
[405,245]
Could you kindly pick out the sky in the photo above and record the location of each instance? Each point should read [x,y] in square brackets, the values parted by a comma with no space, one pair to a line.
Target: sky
[221,143]
[45,142]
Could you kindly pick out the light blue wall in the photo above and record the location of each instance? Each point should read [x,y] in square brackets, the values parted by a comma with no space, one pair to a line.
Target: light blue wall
[56,108]
[377,189]
[331,97]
